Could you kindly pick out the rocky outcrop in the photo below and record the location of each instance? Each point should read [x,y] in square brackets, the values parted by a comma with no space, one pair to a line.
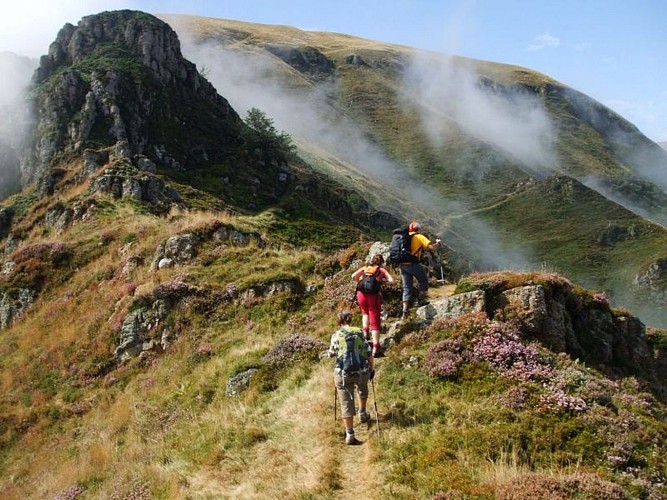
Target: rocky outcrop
[6,216]
[176,250]
[304,59]
[125,181]
[145,328]
[60,216]
[118,78]
[182,248]
[454,307]
[12,305]
[9,171]
[653,280]
[560,322]
[239,382]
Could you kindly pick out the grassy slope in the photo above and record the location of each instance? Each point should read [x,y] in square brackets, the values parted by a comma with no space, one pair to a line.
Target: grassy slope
[164,425]
[469,175]
[74,425]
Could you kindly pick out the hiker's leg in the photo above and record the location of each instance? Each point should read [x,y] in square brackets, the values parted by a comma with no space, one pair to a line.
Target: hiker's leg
[349,424]
[375,306]
[362,300]
[362,389]
[345,387]
[406,280]
[420,273]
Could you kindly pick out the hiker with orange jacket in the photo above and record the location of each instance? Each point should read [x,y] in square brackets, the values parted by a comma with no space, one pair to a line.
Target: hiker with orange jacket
[411,270]
[369,297]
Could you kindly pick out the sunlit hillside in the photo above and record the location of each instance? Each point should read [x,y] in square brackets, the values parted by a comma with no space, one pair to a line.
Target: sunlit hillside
[172,268]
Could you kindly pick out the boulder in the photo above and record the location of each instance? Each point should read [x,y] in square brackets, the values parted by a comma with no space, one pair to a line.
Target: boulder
[454,306]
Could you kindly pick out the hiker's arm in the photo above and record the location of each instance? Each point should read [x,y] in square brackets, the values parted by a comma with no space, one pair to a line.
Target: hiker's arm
[387,276]
[435,245]
[357,274]
[333,346]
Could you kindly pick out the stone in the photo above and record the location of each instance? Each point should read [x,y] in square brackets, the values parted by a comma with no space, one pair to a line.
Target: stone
[454,306]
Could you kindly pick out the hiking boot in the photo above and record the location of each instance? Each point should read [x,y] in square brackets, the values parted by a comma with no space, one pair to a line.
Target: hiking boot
[351,440]
[405,315]
[422,300]
[364,417]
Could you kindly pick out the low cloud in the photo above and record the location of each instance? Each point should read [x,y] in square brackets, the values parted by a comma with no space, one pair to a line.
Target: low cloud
[448,92]
[253,78]
[544,41]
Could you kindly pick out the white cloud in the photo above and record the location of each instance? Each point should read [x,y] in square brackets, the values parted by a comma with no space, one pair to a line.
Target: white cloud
[542,42]
[28,27]
[513,123]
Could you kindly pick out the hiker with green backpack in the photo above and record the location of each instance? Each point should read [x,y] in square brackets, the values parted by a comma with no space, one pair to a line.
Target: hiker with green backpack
[369,297]
[354,368]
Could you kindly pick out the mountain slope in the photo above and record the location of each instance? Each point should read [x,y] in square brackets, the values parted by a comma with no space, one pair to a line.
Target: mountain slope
[446,139]
[162,329]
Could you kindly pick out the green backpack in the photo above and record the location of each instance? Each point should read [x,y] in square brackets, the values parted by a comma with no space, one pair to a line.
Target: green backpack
[352,354]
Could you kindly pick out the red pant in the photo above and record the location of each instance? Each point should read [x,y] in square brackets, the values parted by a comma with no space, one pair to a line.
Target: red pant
[371,305]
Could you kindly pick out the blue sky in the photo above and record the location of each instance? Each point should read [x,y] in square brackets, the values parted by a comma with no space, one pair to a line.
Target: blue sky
[613,50]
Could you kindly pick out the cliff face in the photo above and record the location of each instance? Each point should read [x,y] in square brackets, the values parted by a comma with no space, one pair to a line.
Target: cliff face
[120,76]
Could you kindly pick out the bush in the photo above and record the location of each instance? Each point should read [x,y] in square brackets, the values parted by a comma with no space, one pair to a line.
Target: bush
[292,348]
[443,358]
[584,486]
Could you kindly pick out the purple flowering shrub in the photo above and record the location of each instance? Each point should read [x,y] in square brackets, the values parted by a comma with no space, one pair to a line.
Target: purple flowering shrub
[502,348]
[443,358]
[515,398]
[580,485]
[476,339]
[292,348]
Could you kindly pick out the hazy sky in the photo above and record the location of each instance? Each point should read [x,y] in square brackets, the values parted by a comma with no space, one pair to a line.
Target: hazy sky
[613,50]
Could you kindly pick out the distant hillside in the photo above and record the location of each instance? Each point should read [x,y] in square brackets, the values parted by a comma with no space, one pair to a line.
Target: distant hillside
[514,169]
[663,145]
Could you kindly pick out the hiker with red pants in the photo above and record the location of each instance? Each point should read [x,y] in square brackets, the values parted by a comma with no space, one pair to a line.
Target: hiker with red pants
[369,297]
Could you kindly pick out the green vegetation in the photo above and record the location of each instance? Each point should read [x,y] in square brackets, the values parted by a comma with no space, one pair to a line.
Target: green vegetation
[205,378]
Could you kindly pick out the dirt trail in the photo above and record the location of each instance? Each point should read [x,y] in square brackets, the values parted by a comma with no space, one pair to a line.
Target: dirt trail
[357,466]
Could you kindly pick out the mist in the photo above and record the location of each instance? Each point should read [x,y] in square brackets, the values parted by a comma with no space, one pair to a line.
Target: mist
[250,78]
[14,112]
[447,91]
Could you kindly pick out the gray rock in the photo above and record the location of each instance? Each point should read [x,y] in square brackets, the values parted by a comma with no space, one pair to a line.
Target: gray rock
[93,160]
[12,305]
[144,164]
[378,247]
[239,382]
[454,306]
[165,263]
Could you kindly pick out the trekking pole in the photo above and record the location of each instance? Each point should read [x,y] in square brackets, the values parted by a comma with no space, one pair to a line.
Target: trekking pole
[335,403]
[375,402]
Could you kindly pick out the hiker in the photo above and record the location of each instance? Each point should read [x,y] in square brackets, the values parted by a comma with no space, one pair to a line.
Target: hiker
[354,368]
[410,270]
[369,297]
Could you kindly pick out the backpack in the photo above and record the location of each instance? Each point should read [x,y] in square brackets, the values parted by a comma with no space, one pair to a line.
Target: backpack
[351,354]
[370,282]
[399,250]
